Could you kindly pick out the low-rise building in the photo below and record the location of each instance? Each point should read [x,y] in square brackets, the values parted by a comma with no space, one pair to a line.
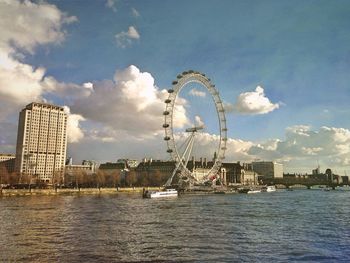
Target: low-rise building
[268,169]
[6,157]
[7,164]
[74,170]
[233,173]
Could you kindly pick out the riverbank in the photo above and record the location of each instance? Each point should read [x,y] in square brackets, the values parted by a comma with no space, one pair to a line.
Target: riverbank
[72,191]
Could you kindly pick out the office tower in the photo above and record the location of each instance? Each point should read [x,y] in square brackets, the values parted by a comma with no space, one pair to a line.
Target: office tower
[41,142]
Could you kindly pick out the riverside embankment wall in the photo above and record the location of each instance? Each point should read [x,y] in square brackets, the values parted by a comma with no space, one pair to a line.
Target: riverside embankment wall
[58,191]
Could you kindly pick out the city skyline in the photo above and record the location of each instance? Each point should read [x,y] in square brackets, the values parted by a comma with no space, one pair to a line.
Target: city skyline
[281,69]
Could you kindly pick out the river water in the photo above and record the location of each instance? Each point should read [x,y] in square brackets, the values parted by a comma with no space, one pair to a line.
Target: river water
[284,226]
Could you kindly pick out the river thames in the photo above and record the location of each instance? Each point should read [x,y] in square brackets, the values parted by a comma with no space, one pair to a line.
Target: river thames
[284,226]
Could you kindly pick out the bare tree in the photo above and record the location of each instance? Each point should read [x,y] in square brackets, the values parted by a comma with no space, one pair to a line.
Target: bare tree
[131,178]
[143,178]
[157,178]
[3,174]
[100,179]
[116,178]
[57,179]
[80,177]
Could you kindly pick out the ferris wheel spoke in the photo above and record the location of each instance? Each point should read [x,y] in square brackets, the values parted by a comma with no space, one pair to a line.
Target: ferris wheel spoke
[189,151]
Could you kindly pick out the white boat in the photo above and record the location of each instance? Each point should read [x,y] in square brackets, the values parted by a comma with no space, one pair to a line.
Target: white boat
[160,194]
[343,188]
[246,190]
[270,188]
[254,191]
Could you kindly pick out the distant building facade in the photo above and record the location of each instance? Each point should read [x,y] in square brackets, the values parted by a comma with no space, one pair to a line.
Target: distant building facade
[150,167]
[7,163]
[92,164]
[41,141]
[72,170]
[110,168]
[233,173]
[268,169]
[6,157]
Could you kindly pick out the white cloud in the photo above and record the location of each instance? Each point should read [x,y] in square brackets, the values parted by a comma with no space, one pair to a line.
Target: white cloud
[19,83]
[74,131]
[88,85]
[130,103]
[124,39]
[253,102]
[305,147]
[206,144]
[134,12]
[112,5]
[197,93]
[301,150]
[25,24]
[198,121]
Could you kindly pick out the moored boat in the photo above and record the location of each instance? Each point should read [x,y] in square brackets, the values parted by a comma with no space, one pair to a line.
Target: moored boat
[249,190]
[270,188]
[160,194]
[254,191]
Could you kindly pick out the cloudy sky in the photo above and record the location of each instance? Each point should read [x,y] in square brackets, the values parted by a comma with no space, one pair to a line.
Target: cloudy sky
[282,69]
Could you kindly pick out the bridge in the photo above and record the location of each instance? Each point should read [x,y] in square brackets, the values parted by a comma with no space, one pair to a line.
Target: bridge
[307,182]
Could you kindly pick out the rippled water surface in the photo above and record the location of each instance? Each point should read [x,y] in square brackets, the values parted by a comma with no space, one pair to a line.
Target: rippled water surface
[297,226]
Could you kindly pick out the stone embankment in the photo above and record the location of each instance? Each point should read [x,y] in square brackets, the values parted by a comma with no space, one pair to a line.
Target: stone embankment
[72,191]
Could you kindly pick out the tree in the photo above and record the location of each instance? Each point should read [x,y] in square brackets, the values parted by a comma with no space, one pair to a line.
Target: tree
[57,179]
[131,178]
[116,178]
[143,178]
[100,179]
[79,178]
[3,173]
[158,178]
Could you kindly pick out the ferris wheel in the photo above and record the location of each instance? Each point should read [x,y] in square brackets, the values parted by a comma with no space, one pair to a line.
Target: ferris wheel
[181,155]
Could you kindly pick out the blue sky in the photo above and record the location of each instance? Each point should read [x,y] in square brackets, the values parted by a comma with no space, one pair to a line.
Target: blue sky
[297,51]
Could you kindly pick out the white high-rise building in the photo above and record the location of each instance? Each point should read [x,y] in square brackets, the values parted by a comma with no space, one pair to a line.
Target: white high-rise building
[41,141]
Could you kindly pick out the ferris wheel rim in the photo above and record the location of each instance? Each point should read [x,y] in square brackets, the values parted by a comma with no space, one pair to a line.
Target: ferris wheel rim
[182,80]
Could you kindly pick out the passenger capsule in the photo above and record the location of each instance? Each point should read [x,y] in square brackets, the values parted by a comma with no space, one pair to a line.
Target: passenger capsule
[174,82]
[167,101]
[224,129]
[166,138]
[179,76]
[169,150]
[166,112]
[170,90]
[165,125]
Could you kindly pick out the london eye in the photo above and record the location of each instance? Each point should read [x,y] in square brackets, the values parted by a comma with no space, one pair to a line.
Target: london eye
[181,154]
